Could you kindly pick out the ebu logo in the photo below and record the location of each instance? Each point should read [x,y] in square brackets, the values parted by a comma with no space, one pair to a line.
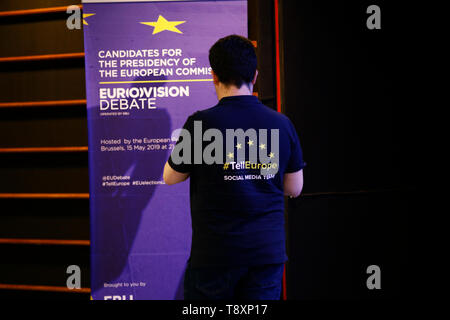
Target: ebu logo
[124,297]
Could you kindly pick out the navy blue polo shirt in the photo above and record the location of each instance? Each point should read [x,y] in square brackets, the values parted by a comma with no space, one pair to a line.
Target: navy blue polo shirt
[237,213]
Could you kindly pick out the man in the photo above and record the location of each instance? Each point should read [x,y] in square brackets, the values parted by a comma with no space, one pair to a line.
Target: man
[237,208]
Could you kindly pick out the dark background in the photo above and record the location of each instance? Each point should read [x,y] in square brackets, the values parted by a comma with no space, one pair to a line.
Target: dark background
[344,87]
[347,90]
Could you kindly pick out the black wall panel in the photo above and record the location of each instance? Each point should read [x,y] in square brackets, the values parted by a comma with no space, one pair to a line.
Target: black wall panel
[346,92]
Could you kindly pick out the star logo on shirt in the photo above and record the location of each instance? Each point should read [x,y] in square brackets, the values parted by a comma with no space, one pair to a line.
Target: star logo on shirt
[271,155]
[230,155]
[250,142]
[262,146]
[239,146]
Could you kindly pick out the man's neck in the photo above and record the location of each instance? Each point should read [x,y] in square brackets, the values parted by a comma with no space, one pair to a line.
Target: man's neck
[230,91]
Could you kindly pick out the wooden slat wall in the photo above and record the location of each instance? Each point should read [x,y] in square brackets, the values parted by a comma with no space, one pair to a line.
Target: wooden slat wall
[42,97]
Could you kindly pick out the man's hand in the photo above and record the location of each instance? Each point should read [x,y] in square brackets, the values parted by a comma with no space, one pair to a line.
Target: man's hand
[171,176]
[293,183]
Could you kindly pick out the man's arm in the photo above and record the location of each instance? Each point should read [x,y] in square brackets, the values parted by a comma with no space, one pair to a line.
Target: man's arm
[293,183]
[171,176]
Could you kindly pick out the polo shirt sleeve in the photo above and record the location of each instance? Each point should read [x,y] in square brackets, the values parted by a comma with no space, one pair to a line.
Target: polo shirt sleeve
[295,162]
[184,167]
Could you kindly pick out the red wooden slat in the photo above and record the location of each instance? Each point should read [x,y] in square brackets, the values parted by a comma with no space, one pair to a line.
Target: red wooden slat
[50,103]
[41,57]
[50,242]
[44,149]
[17,13]
[25,287]
[44,195]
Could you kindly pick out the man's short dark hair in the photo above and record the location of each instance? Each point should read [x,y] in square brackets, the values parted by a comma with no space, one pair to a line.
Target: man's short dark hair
[233,60]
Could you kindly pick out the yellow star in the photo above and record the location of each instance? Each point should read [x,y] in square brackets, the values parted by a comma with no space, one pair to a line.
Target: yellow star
[162,24]
[239,146]
[262,146]
[230,155]
[85,15]
[271,155]
[250,142]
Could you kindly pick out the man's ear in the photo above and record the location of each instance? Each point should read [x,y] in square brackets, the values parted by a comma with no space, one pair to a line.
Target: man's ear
[254,78]
[215,78]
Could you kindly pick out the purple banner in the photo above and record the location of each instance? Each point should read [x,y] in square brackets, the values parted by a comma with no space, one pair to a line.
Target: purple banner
[147,69]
